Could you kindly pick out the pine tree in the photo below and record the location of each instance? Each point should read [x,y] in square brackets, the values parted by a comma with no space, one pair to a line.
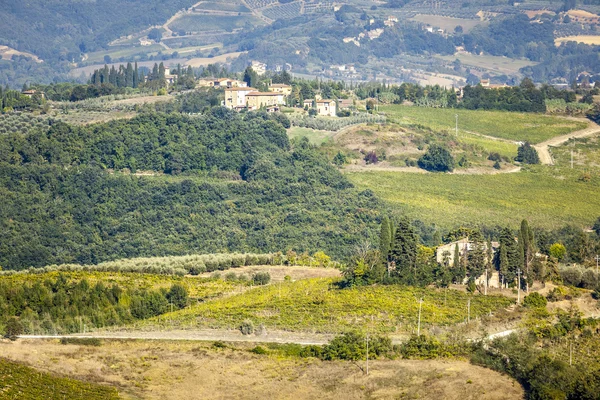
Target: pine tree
[404,252]
[385,239]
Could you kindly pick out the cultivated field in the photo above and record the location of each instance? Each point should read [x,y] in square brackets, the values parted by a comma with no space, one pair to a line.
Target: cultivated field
[18,381]
[497,64]
[196,370]
[448,23]
[451,200]
[500,124]
[203,23]
[586,154]
[314,136]
[318,305]
[586,39]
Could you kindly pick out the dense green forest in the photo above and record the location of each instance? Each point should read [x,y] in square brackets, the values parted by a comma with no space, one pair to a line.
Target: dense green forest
[233,183]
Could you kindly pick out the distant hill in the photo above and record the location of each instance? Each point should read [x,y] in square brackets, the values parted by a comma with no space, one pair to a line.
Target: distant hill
[62,29]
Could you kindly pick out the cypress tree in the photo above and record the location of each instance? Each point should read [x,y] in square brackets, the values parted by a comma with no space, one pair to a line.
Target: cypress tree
[136,77]
[456,259]
[404,251]
[385,239]
[129,75]
[526,246]
[476,257]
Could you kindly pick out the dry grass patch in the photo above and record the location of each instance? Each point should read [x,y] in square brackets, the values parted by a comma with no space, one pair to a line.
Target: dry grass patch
[168,370]
[586,39]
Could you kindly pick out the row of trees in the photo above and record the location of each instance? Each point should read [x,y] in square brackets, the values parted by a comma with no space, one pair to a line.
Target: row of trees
[401,258]
[63,305]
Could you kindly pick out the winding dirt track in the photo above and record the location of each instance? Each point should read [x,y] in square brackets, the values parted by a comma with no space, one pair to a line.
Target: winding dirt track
[543,148]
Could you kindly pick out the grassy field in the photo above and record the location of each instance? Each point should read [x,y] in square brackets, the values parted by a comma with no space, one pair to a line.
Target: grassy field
[450,201]
[218,6]
[586,154]
[448,23]
[586,39]
[201,23]
[505,149]
[128,52]
[314,136]
[497,64]
[163,370]
[534,128]
[317,305]
[18,381]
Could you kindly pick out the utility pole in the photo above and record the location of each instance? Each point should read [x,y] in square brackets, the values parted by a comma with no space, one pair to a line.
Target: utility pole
[571,159]
[419,323]
[571,354]
[469,310]
[518,285]
[456,126]
[367,352]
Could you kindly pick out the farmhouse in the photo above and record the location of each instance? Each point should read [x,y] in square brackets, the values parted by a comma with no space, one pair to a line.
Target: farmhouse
[286,90]
[235,97]
[256,100]
[344,104]
[221,83]
[31,93]
[445,255]
[326,108]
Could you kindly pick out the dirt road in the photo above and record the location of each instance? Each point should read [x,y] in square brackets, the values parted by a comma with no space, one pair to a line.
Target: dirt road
[221,335]
[543,148]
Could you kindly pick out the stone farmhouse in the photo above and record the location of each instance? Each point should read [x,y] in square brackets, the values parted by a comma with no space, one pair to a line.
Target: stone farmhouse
[445,253]
[326,108]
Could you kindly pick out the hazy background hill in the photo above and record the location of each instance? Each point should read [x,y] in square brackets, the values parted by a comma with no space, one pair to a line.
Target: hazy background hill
[442,42]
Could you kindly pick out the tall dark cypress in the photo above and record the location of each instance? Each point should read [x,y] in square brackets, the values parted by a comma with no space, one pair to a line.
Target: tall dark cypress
[136,77]
[385,239]
[404,251]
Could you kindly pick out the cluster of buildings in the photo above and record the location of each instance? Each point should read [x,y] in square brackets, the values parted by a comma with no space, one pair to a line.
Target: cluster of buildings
[241,97]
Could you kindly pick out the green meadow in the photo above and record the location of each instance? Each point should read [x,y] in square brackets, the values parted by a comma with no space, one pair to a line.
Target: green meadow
[451,200]
[512,126]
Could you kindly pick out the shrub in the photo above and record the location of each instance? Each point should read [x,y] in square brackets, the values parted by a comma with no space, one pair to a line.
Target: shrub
[535,300]
[437,158]
[558,251]
[178,296]
[13,328]
[231,277]
[82,341]
[571,276]
[247,327]
[261,278]
[259,350]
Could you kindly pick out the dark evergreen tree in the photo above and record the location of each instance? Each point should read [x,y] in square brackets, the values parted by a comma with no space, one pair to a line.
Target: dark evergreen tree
[527,154]
[476,257]
[385,239]
[404,252]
